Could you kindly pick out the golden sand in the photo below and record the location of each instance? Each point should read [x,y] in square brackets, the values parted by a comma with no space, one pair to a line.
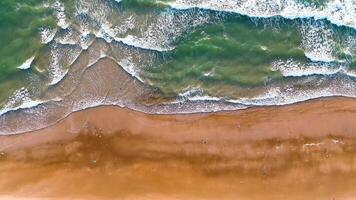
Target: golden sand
[301,151]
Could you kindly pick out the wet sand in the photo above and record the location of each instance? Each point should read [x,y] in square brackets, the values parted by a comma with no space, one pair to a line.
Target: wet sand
[301,151]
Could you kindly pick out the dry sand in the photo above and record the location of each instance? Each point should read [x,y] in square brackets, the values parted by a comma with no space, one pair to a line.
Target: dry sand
[301,151]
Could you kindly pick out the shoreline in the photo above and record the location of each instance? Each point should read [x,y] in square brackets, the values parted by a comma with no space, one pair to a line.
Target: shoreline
[239,114]
[253,107]
[300,151]
[327,98]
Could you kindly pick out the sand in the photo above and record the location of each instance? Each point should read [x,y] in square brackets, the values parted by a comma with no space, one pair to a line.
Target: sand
[300,151]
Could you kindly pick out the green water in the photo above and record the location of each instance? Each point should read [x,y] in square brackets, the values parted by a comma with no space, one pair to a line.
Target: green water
[234,52]
[19,38]
[169,56]
[227,55]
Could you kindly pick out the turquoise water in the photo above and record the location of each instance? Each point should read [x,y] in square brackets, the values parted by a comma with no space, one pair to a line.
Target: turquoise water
[180,55]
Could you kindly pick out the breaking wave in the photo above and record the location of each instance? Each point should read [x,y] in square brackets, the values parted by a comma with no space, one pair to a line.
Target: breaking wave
[339,12]
[101,55]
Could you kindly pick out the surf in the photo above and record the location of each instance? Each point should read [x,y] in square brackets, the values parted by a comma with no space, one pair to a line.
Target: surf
[179,56]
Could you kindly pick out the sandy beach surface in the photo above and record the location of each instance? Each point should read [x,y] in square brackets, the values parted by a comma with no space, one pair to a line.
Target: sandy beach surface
[300,151]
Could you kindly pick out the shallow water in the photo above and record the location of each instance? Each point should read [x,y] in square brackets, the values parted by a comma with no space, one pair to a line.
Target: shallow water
[170,56]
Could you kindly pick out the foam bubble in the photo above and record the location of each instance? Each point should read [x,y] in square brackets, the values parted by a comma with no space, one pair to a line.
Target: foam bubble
[62,20]
[318,42]
[296,69]
[47,34]
[26,64]
[26,104]
[130,68]
[61,60]
[195,94]
[289,94]
[20,99]
[292,68]
[160,34]
[339,12]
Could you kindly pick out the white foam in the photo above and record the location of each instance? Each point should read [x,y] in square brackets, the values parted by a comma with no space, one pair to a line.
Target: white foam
[195,94]
[188,107]
[278,95]
[62,20]
[194,100]
[348,72]
[296,69]
[159,35]
[93,59]
[109,34]
[27,63]
[85,40]
[289,94]
[26,104]
[61,59]
[210,73]
[20,99]
[292,68]
[130,68]
[339,12]
[319,56]
[142,43]
[318,42]
[66,41]
[47,34]
[283,95]
[56,71]
[68,38]
[106,32]
[88,102]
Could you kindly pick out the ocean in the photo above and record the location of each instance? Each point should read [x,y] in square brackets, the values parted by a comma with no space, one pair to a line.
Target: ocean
[170,56]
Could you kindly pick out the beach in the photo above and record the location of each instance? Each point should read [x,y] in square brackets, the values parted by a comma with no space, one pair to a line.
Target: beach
[299,151]
[177,100]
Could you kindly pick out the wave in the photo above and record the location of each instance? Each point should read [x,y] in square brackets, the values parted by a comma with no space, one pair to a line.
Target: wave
[196,94]
[319,56]
[278,96]
[130,68]
[68,42]
[26,64]
[292,68]
[143,43]
[192,100]
[25,105]
[109,34]
[338,12]
[19,100]
[62,57]
[319,41]
[47,34]
[41,108]
[61,16]
[159,35]
[287,95]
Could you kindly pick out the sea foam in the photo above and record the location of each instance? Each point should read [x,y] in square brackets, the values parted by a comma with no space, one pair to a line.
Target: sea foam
[339,12]
[27,63]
